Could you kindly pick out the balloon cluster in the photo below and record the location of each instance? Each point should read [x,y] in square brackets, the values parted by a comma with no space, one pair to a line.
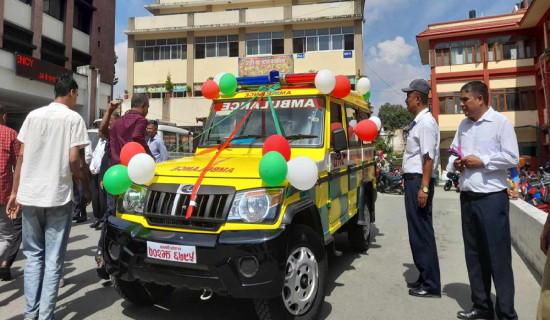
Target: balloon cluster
[363,88]
[367,129]
[339,86]
[226,83]
[276,166]
[136,166]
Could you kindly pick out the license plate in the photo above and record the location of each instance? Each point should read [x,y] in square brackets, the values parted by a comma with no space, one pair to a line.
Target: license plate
[171,252]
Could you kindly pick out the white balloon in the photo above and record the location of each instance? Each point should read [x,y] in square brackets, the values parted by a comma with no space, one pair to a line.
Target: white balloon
[363,86]
[141,168]
[376,120]
[325,81]
[218,77]
[302,173]
[353,123]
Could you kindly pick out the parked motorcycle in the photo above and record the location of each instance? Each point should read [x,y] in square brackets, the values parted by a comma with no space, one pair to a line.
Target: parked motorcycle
[453,179]
[389,182]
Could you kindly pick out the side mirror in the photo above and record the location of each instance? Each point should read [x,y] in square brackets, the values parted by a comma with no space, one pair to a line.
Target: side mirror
[339,139]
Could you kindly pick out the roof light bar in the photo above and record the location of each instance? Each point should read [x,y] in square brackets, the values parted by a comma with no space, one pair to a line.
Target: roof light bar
[298,78]
[274,76]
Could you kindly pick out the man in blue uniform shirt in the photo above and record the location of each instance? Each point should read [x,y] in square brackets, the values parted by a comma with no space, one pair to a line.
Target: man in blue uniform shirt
[419,167]
[489,148]
[155,142]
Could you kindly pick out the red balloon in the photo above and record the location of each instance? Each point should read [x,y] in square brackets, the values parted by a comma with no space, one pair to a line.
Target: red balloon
[277,143]
[342,87]
[129,150]
[366,130]
[210,89]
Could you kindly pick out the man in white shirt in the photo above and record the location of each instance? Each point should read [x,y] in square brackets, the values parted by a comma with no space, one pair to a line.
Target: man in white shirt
[419,163]
[488,148]
[51,138]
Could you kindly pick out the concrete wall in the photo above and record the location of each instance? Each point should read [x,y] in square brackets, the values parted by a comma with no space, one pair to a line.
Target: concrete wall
[526,224]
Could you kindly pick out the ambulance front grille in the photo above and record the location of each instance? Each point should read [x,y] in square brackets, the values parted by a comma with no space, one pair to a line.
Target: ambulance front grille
[166,206]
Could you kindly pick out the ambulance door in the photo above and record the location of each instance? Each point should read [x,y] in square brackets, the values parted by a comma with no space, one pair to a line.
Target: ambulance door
[338,177]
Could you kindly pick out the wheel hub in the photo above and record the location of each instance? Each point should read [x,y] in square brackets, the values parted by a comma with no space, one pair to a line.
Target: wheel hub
[301,281]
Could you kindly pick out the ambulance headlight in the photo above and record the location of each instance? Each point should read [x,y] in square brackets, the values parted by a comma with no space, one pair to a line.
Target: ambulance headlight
[134,200]
[256,206]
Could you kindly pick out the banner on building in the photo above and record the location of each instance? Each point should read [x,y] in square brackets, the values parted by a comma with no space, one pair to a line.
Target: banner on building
[260,66]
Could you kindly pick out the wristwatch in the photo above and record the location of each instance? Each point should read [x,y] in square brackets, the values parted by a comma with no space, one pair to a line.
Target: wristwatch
[425,189]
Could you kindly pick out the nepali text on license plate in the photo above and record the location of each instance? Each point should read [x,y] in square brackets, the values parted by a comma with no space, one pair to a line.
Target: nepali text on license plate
[171,252]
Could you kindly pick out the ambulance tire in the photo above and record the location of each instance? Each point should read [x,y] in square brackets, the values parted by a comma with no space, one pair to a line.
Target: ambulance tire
[359,236]
[306,253]
[133,292]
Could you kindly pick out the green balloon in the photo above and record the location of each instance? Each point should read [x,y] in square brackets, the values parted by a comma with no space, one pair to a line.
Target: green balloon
[367,96]
[116,180]
[273,168]
[228,84]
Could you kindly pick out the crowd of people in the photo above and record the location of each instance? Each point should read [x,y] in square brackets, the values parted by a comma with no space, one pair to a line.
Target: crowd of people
[39,200]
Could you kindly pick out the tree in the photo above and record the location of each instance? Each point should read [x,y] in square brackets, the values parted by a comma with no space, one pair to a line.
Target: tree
[168,85]
[394,116]
[381,144]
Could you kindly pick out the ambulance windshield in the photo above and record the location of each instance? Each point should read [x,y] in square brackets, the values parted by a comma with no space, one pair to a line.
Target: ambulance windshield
[301,120]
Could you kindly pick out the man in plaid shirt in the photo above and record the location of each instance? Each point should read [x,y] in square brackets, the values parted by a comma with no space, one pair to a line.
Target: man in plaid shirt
[9,151]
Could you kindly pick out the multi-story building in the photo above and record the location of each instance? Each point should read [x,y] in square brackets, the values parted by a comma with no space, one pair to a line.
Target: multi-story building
[510,54]
[195,40]
[41,39]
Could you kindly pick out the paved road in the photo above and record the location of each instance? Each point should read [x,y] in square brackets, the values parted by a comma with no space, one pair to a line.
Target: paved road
[361,286]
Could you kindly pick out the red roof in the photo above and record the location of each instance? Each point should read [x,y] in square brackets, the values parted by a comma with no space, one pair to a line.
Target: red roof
[472,27]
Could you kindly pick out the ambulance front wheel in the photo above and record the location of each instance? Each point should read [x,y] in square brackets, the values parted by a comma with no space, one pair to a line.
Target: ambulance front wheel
[303,291]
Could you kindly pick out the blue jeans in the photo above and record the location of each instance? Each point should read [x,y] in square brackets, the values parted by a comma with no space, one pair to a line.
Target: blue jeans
[45,237]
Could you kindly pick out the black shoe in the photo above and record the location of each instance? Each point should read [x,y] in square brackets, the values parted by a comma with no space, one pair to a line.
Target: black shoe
[419,292]
[75,217]
[81,219]
[95,224]
[413,285]
[99,226]
[101,271]
[5,273]
[475,314]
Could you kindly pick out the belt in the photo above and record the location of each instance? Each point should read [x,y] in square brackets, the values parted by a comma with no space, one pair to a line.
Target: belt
[479,195]
[410,176]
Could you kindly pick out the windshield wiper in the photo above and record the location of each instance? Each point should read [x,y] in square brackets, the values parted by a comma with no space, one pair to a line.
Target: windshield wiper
[300,136]
[248,136]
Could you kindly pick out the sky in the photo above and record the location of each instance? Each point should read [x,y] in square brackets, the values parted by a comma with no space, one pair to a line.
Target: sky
[391,54]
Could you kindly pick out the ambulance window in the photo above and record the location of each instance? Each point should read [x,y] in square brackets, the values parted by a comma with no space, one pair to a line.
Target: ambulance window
[335,118]
[352,114]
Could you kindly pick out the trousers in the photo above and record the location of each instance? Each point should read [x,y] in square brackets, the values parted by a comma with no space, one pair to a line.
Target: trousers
[421,235]
[488,250]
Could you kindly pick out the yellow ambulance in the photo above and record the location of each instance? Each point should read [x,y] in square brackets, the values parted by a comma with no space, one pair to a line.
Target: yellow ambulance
[246,239]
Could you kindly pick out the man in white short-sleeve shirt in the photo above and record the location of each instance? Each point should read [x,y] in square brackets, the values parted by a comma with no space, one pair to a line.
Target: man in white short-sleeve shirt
[49,160]
[419,163]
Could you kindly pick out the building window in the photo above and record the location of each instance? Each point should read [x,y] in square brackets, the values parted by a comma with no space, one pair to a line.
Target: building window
[216,46]
[82,17]
[26,1]
[265,43]
[455,53]
[161,49]
[449,103]
[514,99]
[510,48]
[323,39]
[55,9]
